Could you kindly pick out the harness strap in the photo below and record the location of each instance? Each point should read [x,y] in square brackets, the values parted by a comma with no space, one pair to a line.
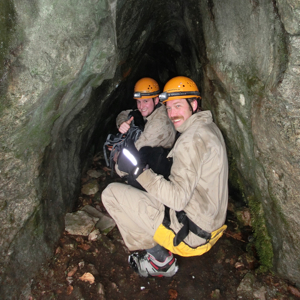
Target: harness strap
[188,226]
[167,221]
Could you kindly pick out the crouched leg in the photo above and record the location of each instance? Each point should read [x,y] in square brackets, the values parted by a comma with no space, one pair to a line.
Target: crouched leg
[136,213]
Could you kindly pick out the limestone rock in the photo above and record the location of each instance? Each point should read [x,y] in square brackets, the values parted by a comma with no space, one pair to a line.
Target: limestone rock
[94,235]
[105,224]
[260,294]
[92,211]
[90,188]
[245,289]
[79,223]
[96,174]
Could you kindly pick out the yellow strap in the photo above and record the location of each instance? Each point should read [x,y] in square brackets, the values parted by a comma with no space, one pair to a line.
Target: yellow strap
[164,237]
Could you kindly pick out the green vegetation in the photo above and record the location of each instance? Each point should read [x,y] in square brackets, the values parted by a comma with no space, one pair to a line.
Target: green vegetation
[244,186]
[7,20]
[263,242]
[6,28]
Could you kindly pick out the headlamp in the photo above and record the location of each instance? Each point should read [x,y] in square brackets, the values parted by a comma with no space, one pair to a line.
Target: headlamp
[164,96]
[140,95]
[137,95]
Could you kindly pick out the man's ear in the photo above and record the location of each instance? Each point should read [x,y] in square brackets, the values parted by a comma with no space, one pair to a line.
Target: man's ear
[194,105]
[156,100]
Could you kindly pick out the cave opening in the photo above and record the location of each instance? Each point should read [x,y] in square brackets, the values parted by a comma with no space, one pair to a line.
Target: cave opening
[163,46]
[168,51]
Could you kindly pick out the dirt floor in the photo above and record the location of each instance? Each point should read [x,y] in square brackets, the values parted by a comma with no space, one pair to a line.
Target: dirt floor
[215,275]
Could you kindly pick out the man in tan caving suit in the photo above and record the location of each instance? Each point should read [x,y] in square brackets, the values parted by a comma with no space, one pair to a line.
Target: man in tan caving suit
[185,214]
[158,130]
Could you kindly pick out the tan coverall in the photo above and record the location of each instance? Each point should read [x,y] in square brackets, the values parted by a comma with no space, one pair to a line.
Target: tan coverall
[159,130]
[197,184]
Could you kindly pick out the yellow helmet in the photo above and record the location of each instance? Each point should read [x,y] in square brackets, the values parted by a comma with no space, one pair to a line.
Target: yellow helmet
[179,87]
[146,88]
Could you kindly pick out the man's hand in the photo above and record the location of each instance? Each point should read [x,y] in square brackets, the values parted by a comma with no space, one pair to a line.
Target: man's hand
[124,127]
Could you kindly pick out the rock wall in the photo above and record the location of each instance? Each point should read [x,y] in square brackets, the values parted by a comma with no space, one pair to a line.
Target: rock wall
[55,54]
[67,68]
[252,79]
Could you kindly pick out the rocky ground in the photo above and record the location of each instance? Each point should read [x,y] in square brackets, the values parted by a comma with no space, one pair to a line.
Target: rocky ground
[92,263]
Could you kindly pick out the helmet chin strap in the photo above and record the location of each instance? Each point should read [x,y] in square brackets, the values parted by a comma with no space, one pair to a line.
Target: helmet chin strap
[189,103]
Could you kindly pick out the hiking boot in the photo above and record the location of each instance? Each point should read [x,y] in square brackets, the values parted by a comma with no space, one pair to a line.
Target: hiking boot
[145,264]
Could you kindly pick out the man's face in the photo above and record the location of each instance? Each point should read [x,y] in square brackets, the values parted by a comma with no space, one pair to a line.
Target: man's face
[179,110]
[146,106]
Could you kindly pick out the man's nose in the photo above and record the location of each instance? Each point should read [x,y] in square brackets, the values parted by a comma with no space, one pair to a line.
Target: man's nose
[170,112]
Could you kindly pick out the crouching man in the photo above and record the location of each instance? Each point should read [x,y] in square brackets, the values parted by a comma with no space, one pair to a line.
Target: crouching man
[185,214]
[158,130]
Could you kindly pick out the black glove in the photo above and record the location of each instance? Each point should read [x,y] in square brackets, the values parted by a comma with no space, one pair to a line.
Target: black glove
[138,119]
[156,158]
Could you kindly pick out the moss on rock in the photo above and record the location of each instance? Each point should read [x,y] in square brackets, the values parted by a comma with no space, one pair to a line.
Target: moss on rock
[7,20]
[6,27]
[263,242]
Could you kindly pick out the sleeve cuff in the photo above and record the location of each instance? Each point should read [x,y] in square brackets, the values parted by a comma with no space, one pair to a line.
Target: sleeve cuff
[146,177]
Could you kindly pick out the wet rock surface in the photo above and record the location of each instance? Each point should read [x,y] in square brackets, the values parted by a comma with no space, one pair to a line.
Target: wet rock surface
[85,268]
[256,79]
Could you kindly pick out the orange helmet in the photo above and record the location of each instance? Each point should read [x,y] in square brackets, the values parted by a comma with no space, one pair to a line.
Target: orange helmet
[146,88]
[179,87]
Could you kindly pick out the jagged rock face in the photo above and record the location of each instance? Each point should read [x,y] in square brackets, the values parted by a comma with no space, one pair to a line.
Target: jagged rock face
[68,68]
[253,81]
[56,54]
